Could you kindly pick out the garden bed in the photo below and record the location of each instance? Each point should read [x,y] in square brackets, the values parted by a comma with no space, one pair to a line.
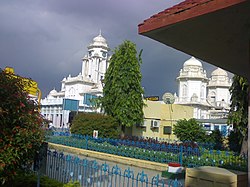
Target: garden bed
[187,156]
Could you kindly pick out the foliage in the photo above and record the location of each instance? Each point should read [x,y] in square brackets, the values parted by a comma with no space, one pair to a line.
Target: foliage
[72,184]
[30,180]
[86,123]
[189,130]
[238,114]
[234,139]
[190,156]
[21,133]
[216,138]
[122,91]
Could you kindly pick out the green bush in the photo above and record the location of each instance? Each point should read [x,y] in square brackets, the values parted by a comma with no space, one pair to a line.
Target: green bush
[216,138]
[234,141]
[30,180]
[72,184]
[86,123]
[21,133]
[189,130]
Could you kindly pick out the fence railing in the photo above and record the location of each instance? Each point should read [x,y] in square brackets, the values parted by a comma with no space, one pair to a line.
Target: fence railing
[141,142]
[64,168]
[164,153]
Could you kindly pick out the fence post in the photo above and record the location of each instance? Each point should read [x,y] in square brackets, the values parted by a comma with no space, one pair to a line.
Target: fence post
[40,161]
[87,142]
[181,153]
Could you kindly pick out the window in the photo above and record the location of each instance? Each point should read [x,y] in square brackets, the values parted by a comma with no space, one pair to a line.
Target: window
[88,99]
[90,53]
[216,127]
[184,90]
[212,97]
[71,92]
[202,91]
[167,130]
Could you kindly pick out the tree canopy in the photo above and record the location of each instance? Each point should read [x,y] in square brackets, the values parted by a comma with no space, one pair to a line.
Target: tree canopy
[122,92]
[21,134]
[189,130]
[238,114]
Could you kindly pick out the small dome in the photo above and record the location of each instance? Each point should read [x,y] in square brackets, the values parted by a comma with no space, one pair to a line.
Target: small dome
[99,41]
[53,92]
[219,72]
[99,38]
[192,62]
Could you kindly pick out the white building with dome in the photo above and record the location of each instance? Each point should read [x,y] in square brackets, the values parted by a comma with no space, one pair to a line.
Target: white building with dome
[210,97]
[77,91]
[192,87]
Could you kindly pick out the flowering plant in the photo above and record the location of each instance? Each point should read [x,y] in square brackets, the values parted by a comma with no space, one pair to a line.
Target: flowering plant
[21,133]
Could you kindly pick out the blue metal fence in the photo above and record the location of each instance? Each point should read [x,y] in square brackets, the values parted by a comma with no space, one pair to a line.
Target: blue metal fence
[65,168]
[164,153]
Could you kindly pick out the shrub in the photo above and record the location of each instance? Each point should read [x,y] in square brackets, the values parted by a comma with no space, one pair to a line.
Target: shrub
[216,138]
[30,180]
[189,130]
[234,142]
[86,123]
[21,134]
[72,184]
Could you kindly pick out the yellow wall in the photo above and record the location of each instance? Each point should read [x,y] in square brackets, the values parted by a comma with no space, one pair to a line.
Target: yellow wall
[166,114]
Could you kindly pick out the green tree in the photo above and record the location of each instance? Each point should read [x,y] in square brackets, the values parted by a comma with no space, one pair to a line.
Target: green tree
[85,123]
[238,114]
[234,140]
[21,134]
[189,130]
[216,138]
[122,90]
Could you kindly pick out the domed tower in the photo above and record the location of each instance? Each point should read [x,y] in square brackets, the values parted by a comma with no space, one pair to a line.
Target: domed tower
[95,63]
[192,82]
[218,88]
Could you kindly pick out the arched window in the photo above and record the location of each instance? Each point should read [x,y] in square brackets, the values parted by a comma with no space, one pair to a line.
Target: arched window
[213,97]
[184,90]
[71,92]
[202,92]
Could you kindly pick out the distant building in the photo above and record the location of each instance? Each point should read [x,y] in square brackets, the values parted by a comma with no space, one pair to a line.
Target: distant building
[76,92]
[159,119]
[210,97]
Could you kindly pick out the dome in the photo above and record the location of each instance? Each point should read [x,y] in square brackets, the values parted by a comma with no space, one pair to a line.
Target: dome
[99,41]
[219,72]
[53,92]
[192,62]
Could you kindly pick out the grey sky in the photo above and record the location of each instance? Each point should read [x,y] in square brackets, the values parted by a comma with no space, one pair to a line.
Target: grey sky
[46,39]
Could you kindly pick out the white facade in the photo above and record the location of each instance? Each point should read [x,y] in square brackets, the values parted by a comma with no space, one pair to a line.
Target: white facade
[218,89]
[210,97]
[81,88]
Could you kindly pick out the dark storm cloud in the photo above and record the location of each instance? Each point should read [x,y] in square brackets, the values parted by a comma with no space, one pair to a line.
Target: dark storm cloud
[45,40]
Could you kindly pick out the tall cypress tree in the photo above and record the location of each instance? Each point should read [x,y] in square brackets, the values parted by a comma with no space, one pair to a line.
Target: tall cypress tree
[122,92]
